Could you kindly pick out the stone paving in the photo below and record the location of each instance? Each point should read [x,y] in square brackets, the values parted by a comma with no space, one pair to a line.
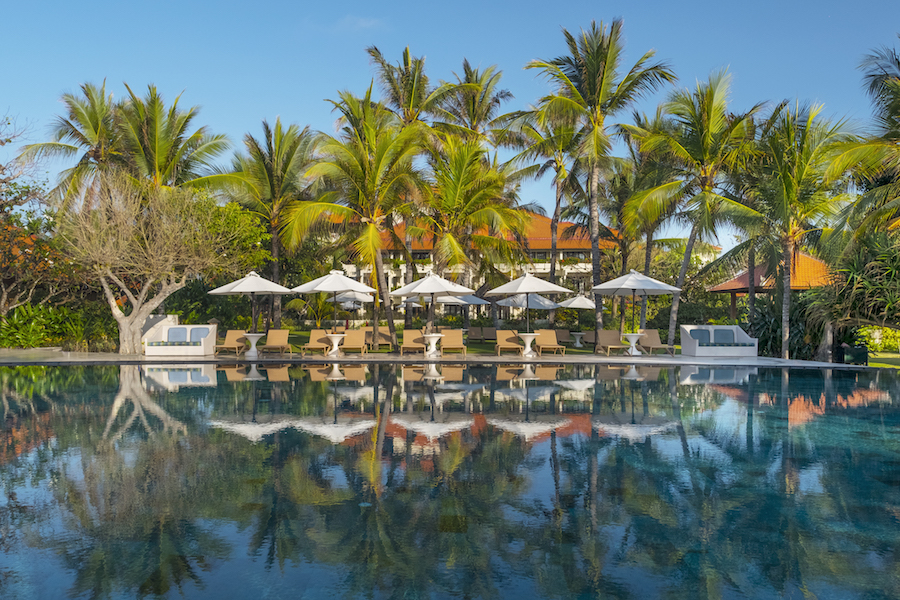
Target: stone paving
[57,357]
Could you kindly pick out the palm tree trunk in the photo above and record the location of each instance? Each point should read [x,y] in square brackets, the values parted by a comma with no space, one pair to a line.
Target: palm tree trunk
[676,297]
[786,300]
[554,227]
[751,284]
[623,271]
[408,277]
[385,296]
[276,277]
[648,257]
[595,247]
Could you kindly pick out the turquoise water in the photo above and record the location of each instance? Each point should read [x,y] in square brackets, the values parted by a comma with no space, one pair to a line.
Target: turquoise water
[449,482]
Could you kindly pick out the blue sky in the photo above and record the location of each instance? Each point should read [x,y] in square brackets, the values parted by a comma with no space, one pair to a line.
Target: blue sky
[243,62]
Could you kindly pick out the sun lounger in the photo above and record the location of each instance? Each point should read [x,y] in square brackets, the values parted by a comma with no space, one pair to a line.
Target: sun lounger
[546,340]
[234,342]
[475,334]
[507,340]
[384,336]
[277,373]
[355,373]
[563,336]
[412,373]
[651,342]
[452,373]
[277,340]
[489,334]
[508,373]
[233,373]
[317,341]
[318,373]
[452,340]
[413,341]
[610,340]
[355,340]
[546,372]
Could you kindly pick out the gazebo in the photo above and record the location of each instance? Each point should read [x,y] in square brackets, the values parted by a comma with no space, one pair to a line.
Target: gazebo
[806,273]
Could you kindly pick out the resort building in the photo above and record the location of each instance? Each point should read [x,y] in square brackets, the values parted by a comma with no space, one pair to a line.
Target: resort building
[573,253]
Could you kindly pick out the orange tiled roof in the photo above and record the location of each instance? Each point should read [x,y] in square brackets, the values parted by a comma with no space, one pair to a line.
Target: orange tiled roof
[537,237]
[806,272]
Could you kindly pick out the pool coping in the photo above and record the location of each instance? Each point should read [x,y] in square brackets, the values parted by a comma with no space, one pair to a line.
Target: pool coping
[58,357]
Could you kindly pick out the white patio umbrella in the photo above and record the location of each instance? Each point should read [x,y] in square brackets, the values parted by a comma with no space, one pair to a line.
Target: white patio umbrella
[530,429]
[528,284]
[432,285]
[335,432]
[431,425]
[534,301]
[252,284]
[634,432]
[467,300]
[334,283]
[634,284]
[255,432]
[578,301]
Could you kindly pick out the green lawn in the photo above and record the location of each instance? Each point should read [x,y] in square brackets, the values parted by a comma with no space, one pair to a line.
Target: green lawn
[890,360]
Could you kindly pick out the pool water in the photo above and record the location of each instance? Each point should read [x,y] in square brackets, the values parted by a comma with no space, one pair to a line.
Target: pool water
[448,481]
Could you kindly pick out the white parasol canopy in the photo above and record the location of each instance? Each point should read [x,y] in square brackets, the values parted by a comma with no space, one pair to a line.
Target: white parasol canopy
[251,284]
[535,301]
[254,432]
[422,423]
[335,282]
[578,301]
[528,284]
[529,429]
[634,432]
[434,286]
[634,284]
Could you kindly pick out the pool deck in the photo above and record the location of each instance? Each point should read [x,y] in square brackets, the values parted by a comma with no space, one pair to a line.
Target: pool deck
[56,357]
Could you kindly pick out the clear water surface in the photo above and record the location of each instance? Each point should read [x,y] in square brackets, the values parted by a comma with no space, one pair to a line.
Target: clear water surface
[447,481]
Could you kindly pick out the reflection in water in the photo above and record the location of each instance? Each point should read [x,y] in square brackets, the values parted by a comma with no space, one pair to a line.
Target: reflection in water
[433,481]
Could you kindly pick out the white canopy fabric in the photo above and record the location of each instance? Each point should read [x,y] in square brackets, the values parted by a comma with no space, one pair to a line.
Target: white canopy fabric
[528,429]
[535,301]
[254,432]
[634,284]
[528,394]
[252,283]
[432,284]
[422,423]
[578,301]
[528,284]
[354,297]
[334,432]
[635,432]
[334,282]
[578,385]
[468,299]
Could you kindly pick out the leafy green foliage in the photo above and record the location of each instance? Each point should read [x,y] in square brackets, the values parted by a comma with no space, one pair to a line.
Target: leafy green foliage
[30,326]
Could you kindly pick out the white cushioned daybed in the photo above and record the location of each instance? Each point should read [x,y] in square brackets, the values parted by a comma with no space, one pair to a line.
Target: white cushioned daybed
[181,340]
[717,340]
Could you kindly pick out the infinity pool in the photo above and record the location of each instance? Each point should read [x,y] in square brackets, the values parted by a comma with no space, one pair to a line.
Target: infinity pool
[374,481]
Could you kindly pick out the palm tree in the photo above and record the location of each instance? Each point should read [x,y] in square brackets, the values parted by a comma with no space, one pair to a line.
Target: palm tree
[796,196]
[472,109]
[554,144]
[707,143]
[466,210]
[369,171]
[160,147]
[271,181]
[87,132]
[590,87]
[877,159]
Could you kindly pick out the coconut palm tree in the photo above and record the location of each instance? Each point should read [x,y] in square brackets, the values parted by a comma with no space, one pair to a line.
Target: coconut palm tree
[270,180]
[589,88]
[369,172]
[796,195]
[706,144]
[472,108]
[159,146]
[87,132]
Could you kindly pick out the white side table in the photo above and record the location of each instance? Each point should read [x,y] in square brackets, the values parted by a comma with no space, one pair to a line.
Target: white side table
[633,340]
[578,335]
[432,340]
[528,340]
[253,353]
[335,339]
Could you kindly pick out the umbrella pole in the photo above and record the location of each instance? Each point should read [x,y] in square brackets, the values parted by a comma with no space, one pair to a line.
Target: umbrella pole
[527,314]
[632,312]
[253,315]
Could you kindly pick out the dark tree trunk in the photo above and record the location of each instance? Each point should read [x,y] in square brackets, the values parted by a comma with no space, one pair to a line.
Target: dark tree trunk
[676,297]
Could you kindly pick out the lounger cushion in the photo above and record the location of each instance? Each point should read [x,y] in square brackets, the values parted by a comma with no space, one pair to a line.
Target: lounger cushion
[198,333]
[723,336]
[177,334]
[701,335]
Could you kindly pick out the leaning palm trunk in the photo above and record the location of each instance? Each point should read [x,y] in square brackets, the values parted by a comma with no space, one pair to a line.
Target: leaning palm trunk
[676,297]
[276,277]
[554,227]
[648,256]
[408,278]
[751,284]
[386,298]
[786,301]
[595,248]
